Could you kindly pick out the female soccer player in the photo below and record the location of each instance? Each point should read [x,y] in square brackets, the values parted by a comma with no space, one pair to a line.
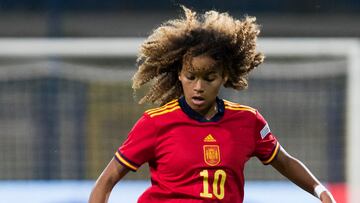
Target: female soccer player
[197,144]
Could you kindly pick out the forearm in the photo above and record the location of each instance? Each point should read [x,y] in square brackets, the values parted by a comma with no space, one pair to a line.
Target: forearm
[106,182]
[299,174]
[100,192]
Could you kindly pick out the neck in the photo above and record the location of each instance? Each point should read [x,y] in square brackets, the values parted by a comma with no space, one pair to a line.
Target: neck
[211,112]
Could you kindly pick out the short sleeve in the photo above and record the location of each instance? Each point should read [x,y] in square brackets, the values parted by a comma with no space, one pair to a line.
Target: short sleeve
[139,146]
[267,146]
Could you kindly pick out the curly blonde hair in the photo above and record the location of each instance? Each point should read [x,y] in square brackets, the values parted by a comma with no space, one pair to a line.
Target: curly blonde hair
[229,41]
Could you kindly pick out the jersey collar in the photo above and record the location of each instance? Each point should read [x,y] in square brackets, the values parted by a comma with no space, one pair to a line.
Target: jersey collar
[196,116]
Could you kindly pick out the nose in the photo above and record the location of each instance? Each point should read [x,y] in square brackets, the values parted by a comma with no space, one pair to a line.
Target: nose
[199,86]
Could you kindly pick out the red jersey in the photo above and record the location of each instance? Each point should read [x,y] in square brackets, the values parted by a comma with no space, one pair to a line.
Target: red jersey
[196,160]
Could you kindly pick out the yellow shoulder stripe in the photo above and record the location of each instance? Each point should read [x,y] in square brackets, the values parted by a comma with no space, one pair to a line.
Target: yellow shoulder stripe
[164,111]
[238,107]
[233,104]
[165,106]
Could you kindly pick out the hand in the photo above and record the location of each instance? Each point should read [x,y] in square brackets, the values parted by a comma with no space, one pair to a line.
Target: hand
[326,197]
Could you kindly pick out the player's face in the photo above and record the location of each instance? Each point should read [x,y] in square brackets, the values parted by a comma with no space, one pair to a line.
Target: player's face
[201,79]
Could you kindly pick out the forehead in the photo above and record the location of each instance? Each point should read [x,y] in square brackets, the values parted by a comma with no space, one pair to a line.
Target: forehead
[201,64]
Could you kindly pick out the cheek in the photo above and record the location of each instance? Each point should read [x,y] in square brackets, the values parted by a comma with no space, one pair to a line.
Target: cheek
[185,84]
[181,79]
[214,90]
[216,86]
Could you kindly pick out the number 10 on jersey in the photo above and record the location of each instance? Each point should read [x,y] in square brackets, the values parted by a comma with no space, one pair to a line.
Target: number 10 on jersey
[218,186]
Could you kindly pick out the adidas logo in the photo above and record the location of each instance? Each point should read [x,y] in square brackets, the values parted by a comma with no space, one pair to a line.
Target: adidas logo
[209,138]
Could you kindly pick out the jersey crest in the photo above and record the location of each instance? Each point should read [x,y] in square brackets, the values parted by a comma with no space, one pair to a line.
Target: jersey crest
[211,154]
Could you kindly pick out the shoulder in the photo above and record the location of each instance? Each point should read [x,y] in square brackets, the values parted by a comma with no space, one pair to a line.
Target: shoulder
[166,109]
[236,107]
[154,116]
[253,114]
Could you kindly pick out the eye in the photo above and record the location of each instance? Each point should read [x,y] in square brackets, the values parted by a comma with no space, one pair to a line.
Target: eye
[190,77]
[210,78]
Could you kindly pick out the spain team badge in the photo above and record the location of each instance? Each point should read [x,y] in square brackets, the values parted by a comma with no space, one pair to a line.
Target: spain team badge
[211,154]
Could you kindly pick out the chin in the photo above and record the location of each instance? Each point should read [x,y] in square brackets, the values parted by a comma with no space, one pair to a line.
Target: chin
[200,108]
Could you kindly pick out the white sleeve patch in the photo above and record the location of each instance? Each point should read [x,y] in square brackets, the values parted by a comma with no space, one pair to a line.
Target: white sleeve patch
[265,131]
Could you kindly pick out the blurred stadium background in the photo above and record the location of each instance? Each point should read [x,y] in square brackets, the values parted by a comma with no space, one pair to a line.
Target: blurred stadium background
[66,102]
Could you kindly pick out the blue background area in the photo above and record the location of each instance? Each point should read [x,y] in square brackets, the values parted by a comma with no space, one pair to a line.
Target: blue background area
[128,192]
[284,6]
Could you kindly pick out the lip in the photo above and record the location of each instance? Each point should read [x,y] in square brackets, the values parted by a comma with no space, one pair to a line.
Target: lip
[198,100]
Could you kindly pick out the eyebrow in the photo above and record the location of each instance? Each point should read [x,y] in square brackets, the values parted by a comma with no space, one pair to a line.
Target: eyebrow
[206,72]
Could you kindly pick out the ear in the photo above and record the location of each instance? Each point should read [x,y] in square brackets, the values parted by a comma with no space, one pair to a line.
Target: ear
[179,74]
[225,78]
[225,74]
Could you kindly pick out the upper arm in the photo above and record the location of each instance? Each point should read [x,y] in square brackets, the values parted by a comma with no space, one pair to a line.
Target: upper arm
[112,174]
[114,171]
[294,170]
[281,160]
